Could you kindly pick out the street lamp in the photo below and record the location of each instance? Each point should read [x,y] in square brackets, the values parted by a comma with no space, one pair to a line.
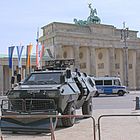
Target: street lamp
[124,37]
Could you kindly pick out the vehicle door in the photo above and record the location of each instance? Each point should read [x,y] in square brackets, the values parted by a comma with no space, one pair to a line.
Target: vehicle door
[108,87]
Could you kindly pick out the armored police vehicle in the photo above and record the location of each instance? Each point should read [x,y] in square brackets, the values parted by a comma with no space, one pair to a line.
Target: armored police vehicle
[48,92]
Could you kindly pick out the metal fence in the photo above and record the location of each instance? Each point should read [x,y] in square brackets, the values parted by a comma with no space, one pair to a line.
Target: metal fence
[119,127]
[53,125]
[108,127]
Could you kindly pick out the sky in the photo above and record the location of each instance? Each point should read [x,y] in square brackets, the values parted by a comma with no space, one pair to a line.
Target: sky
[20,19]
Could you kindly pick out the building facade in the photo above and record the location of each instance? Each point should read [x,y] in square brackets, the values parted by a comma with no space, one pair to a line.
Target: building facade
[6,73]
[97,49]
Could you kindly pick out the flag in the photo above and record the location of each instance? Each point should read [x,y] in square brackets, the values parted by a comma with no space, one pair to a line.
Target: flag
[37,61]
[28,55]
[42,51]
[39,54]
[19,52]
[10,54]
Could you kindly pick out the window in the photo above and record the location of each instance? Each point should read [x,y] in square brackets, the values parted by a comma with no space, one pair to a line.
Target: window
[99,82]
[43,78]
[107,82]
[90,82]
[117,82]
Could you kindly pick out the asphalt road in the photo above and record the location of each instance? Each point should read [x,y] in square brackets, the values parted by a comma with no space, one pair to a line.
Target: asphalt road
[115,102]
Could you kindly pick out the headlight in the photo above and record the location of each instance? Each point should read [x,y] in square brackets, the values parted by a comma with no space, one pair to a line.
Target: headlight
[14,94]
[33,91]
[52,93]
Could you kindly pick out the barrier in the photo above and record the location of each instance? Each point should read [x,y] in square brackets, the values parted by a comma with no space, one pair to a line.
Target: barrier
[109,116]
[99,126]
[52,126]
[137,107]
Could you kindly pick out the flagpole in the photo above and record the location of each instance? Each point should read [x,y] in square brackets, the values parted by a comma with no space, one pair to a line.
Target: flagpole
[26,70]
[12,70]
[12,65]
[29,59]
[37,47]
[26,61]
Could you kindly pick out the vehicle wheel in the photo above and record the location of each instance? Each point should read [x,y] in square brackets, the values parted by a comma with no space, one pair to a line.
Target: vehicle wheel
[96,94]
[69,110]
[120,93]
[87,107]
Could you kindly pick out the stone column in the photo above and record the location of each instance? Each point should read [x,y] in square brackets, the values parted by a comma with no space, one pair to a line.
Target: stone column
[138,69]
[111,52]
[58,51]
[88,60]
[133,70]
[106,61]
[92,60]
[76,57]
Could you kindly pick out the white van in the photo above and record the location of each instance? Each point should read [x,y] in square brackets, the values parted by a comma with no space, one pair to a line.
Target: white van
[109,85]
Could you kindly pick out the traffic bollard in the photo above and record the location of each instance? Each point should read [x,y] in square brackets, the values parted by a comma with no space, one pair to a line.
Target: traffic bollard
[137,104]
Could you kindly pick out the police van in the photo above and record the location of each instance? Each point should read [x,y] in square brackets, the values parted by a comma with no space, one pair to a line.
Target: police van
[109,85]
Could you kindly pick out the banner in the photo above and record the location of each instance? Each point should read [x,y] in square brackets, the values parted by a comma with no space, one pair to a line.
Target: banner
[28,55]
[37,61]
[19,52]
[10,54]
[42,51]
[39,54]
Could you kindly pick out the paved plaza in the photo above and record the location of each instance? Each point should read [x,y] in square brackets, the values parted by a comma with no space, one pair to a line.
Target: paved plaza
[111,128]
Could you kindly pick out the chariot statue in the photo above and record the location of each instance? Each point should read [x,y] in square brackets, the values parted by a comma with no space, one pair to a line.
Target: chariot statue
[92,18]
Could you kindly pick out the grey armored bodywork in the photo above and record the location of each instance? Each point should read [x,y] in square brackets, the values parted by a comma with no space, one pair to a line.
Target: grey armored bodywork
[51,92]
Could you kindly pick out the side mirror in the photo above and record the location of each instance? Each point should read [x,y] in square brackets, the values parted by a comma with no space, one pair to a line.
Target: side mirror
[12,80]
[18,78]
[62,79]
[85,74]
[68,73]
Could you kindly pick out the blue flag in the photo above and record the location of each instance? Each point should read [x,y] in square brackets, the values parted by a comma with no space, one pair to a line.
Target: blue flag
[10,54]
[19,52]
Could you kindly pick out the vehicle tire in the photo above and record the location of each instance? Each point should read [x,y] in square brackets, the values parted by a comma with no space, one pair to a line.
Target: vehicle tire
[120,93]
[87,107]
[69,110]
[96,94]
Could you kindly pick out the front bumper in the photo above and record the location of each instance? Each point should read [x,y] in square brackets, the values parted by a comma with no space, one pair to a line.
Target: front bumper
[28,115]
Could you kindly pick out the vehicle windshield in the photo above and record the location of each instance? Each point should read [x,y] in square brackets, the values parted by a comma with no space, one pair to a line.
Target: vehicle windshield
[43,78]
[117,82]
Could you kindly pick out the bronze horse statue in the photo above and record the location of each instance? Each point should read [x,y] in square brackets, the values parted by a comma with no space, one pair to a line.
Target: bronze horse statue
[92,18]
